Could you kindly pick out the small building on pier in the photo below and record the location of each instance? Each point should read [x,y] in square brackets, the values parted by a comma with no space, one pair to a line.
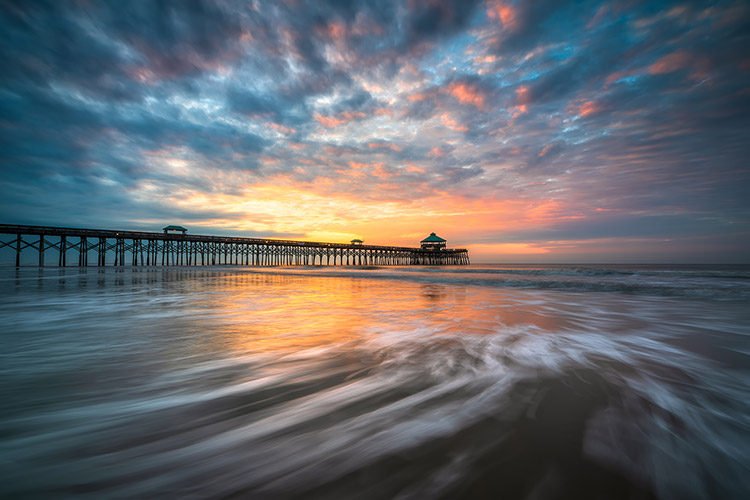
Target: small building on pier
[141,248]
[356,241]
[433,242]
[174,229]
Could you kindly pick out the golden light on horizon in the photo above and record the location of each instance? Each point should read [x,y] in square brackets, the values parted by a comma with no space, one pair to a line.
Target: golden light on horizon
[325,211]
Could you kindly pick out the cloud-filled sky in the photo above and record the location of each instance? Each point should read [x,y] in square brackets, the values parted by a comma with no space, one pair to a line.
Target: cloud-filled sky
[526,131]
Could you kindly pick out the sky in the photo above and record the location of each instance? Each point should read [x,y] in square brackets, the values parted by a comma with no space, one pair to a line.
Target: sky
[524,131]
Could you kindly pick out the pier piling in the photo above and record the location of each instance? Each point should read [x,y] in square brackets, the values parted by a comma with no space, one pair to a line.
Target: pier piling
[149,248]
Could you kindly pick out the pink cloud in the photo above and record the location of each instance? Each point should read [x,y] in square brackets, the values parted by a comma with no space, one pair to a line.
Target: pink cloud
[523,96]
[670,63]
[583,107]
[589,108]
[328,121]
[340,119]
[383,112]
[467,94]
[380,171]
[334,30]
[415,169]
[358,165]
[352,115]
[449,122]
[545,150]
[282,128]
[436,152]
[360,170]
[503,12]
[617,75]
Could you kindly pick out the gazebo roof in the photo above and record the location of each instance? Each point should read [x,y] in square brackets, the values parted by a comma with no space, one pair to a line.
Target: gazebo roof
[433,238]
[355,240]
[174,228]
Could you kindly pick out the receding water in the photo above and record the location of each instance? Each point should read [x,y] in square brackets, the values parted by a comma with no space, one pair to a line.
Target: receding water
[539,382]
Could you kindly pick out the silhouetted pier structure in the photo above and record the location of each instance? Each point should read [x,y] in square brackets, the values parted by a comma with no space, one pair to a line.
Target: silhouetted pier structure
[121,248]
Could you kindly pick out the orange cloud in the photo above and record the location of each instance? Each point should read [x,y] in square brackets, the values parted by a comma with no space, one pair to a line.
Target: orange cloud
[340,119]
[352,115]
[545,150]
[381,171]
[585,108]
[486,59]
[357,165]
[282,128]
[670,63]
[617,75]
[383,112]
[356,174]
[360,170]
[467,94]
[336,31]
[328,121]
[449,122]
[415,169]
[523,95]
[436,152]
[589,108]
[502,12]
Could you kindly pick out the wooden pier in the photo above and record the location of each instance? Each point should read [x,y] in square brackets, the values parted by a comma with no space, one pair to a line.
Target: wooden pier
[98,247]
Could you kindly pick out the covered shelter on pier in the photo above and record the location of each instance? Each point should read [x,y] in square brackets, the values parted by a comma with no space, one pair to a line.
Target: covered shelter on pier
[433,242]
[174,229]
[141,248]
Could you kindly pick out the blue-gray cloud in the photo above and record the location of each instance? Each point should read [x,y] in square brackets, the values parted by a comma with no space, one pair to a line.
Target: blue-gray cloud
[637,107]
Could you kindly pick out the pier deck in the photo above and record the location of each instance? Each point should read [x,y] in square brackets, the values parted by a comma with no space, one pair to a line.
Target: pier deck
[138,248]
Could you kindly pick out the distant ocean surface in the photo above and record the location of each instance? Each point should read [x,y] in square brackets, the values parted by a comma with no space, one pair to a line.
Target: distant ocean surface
[482,381]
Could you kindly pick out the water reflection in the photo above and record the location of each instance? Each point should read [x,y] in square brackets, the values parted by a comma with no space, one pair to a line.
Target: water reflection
[269,383]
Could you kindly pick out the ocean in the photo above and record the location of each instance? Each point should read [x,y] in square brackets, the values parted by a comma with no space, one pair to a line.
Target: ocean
[482,381]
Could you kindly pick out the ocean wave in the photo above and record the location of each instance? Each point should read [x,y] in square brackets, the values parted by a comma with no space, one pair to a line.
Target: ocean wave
[664,283]
[329,382]
[559,270]
[414,415]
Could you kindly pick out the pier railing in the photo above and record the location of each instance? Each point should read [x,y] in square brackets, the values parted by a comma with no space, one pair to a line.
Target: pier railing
[138,248]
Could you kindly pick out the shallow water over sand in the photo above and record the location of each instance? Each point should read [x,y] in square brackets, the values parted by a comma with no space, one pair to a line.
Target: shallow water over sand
[471,382]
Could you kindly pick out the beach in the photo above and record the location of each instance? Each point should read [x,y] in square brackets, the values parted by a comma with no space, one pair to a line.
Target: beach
[481,381]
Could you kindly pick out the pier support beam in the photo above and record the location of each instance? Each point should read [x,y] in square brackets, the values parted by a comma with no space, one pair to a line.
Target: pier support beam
[179,250]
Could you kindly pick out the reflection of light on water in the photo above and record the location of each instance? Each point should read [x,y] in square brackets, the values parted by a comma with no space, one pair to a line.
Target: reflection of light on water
[257,312]
[284,382]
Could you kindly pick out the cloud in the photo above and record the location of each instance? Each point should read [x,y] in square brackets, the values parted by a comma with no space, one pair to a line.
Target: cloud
[670,63]
[468,94]
[433,19]
[619,120]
